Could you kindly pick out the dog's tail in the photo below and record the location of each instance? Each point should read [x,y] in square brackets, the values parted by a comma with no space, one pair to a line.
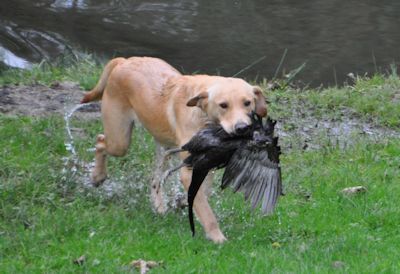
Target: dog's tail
[97,92]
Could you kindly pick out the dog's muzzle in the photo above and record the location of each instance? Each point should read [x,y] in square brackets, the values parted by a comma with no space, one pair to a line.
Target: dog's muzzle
[242,128]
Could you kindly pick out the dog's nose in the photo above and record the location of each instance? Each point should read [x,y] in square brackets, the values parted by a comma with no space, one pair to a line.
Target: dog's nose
[241,128]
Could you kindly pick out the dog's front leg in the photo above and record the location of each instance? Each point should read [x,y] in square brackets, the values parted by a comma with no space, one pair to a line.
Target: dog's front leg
[156,192]
[203,210]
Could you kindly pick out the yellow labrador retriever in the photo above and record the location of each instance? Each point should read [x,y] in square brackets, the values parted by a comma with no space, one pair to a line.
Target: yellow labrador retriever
[172,107]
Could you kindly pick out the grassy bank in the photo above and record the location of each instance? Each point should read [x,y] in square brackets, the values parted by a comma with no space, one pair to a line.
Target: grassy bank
[48,219]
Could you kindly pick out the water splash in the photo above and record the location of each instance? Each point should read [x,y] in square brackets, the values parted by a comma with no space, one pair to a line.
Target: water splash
[69,144]
[72,165]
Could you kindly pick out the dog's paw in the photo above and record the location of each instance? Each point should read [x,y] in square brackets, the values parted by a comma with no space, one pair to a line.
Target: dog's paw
[216,236]
[161,209]
[100,143]
[158,200]
[98,179]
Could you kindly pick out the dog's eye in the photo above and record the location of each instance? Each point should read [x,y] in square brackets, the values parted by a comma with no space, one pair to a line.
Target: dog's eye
[247,103]
[223,105]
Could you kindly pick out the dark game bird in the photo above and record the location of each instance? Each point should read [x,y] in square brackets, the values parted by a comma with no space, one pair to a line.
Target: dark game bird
[251,162]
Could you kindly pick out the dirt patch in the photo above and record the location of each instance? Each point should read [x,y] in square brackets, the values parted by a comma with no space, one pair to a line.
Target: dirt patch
[39,100]
[302,125]
[309,132]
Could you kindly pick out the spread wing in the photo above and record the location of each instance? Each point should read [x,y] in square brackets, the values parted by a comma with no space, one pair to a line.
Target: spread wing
[252,171]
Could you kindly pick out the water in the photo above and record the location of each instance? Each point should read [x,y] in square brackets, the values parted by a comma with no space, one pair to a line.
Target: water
[73,166]
[215,37]
[11,60]
[69,144]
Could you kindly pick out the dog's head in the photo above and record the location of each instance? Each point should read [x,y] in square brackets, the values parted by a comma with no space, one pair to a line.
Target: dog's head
[230,102]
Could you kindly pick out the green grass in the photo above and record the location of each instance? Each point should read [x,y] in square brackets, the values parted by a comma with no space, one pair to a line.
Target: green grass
[47,221]
[373,99]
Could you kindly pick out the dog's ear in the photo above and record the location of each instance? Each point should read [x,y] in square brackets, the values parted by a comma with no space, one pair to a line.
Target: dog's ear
[199,100]
[261,105]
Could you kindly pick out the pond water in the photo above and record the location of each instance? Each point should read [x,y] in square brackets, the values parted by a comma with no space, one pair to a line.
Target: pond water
[334,37]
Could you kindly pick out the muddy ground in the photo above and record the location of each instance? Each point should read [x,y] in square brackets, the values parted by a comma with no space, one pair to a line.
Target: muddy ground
[39,100]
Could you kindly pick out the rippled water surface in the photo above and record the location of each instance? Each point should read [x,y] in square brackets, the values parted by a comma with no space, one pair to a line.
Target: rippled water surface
[334,37]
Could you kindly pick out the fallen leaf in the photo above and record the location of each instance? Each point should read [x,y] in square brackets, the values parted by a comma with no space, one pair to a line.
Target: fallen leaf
[338,264]
[144,266]
[81,260]
[276,245]
[353,190]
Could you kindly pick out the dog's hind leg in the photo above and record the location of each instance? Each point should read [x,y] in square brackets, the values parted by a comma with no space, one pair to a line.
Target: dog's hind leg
[156,192]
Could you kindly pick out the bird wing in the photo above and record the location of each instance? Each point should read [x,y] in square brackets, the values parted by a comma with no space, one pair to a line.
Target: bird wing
[251,172]
[198,177]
